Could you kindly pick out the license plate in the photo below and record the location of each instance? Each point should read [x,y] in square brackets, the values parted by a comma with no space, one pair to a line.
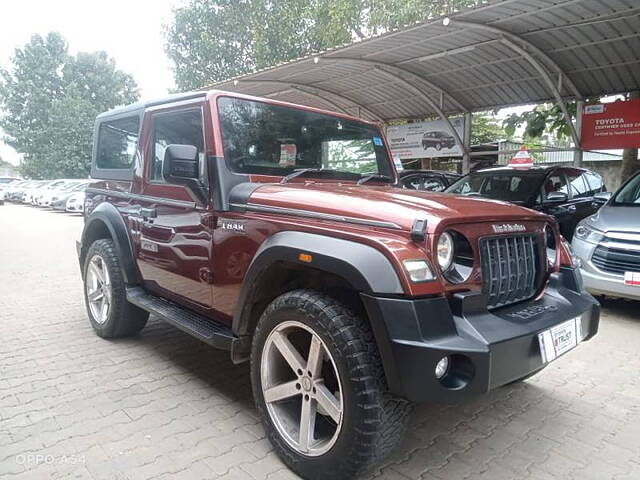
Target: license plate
[632,278]
[560,339]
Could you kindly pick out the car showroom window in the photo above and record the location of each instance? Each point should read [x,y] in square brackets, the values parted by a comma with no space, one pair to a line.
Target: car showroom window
[275,140]
[117,143]
[181,128]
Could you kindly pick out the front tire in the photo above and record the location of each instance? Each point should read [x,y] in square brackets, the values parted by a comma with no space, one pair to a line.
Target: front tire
[110,314]
[319,387]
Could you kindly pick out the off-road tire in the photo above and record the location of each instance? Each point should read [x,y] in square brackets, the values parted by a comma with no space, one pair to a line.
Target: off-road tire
[374,421]
[124,319]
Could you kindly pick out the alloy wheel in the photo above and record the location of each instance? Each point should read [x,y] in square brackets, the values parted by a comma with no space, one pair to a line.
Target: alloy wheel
[98,286]
[302,391]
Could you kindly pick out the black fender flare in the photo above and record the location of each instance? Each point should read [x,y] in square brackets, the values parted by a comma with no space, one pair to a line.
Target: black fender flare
[106,215]
[367,269]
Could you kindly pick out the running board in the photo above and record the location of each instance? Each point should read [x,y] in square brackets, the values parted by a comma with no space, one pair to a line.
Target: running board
[209,331]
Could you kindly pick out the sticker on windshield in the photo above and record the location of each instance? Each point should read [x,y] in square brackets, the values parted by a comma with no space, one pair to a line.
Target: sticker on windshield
[377,141]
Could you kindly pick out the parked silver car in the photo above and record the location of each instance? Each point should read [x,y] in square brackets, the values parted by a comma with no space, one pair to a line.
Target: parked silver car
[608,244]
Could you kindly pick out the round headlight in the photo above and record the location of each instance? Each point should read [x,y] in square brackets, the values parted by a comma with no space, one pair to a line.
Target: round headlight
[445,251]
[552,248]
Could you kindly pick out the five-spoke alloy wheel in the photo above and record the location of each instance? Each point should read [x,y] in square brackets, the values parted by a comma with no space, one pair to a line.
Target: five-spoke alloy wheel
[98,287]
[303,395]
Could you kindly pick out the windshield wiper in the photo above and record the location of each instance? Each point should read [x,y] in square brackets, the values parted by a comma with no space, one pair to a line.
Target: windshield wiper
[374,176]
[301,171]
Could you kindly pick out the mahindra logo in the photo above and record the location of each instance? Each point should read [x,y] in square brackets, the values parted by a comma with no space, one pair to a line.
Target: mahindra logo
[508,228]
[533,311]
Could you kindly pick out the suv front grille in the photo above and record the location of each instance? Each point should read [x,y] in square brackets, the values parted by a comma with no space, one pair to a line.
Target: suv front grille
[616,260]
[510,268]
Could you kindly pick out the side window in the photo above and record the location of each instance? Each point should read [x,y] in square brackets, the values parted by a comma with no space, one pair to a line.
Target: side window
[575,178]
[412,183]
[595,182]
[554,183]
[117,143]
[184,128]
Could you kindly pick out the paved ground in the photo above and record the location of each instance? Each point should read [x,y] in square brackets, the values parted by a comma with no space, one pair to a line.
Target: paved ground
[165,406]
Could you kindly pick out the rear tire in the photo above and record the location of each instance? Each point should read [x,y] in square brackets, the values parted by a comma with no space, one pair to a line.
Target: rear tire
[110,314]
[355,420]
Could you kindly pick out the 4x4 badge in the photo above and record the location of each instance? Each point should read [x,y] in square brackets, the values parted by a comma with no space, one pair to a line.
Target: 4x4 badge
[508,228]
[231,225]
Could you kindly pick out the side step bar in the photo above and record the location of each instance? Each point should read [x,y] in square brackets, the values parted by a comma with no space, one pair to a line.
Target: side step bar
[209,331]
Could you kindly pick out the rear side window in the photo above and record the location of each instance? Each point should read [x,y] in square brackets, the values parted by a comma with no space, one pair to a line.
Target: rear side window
[555,183]
[595,182]
[117,143]
[579,188]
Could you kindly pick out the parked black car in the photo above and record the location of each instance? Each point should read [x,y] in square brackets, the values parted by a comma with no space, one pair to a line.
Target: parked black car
[429,180]
[567,193]
[437,140]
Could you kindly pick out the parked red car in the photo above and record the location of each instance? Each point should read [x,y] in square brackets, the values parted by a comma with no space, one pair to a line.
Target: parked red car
[274,231]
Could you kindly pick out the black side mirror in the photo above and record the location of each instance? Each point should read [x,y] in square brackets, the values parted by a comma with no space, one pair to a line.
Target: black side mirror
[181,166]
[557,197]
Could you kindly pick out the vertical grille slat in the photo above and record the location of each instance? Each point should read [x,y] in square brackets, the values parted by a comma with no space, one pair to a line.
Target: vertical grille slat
[510,268]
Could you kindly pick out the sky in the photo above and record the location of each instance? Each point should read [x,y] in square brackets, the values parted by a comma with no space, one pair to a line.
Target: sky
[130,31]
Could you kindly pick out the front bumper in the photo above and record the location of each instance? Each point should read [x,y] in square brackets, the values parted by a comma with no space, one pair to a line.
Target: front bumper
[598,282]
[489,348]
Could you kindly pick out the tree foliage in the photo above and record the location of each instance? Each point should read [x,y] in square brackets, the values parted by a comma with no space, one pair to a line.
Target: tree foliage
[485,129]
[50,99]
[213,40]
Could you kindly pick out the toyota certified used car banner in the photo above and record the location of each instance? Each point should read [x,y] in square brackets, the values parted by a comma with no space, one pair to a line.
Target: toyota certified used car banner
[425,139]
[611,125]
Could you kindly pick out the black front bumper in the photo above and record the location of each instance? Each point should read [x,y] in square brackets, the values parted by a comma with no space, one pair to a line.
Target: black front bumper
[487,349]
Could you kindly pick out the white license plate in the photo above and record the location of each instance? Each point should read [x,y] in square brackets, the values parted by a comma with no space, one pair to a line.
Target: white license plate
[560,339]
[632,278]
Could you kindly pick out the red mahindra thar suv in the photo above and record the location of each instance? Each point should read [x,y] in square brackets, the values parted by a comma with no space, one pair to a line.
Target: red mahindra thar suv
[273,231]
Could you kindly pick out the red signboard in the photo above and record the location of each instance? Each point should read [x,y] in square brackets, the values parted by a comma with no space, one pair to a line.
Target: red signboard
[611,125]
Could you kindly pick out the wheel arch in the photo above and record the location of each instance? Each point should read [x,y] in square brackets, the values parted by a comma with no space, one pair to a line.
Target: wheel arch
[335,263]
[106,222]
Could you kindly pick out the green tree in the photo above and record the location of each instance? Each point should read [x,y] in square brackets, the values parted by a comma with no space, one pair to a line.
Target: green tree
[49,101]
[213,40]
[485,129]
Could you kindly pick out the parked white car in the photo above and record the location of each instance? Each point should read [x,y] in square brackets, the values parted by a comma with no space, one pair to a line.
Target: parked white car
[75,204]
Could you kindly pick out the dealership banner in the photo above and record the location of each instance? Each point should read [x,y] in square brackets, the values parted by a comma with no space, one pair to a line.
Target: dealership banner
[608,126]
[425,139]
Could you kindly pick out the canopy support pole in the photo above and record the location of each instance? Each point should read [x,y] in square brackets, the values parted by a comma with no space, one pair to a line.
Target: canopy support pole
[466,153]
[577,153]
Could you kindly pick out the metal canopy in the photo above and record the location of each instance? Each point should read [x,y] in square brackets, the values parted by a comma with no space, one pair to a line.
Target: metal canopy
[503,53]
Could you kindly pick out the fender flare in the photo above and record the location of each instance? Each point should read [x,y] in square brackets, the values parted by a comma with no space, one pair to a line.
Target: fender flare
[364,267]
[108,216]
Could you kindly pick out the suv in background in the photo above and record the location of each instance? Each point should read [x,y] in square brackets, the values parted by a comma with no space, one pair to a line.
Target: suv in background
[567,193]
[274,231]
[437,140]
[608,244]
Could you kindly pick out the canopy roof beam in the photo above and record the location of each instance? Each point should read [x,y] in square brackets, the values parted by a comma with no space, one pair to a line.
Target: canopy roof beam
[382,66]
[319,94]
[431,103]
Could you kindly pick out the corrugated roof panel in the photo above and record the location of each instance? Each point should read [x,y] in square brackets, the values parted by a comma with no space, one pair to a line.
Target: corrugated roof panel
[595,44]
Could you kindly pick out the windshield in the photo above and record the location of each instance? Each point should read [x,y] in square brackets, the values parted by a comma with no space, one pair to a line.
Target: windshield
[508,186]
[275,140]
[629,194]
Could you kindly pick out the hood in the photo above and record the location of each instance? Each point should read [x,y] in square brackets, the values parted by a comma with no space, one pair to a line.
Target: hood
[618,219]
[387,204]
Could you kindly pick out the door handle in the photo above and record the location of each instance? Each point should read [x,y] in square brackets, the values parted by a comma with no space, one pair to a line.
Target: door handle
[148,213]
[571,208]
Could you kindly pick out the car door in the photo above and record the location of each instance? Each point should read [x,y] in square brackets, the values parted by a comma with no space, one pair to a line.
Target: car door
[174,249]
[562,210]
[580,197]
